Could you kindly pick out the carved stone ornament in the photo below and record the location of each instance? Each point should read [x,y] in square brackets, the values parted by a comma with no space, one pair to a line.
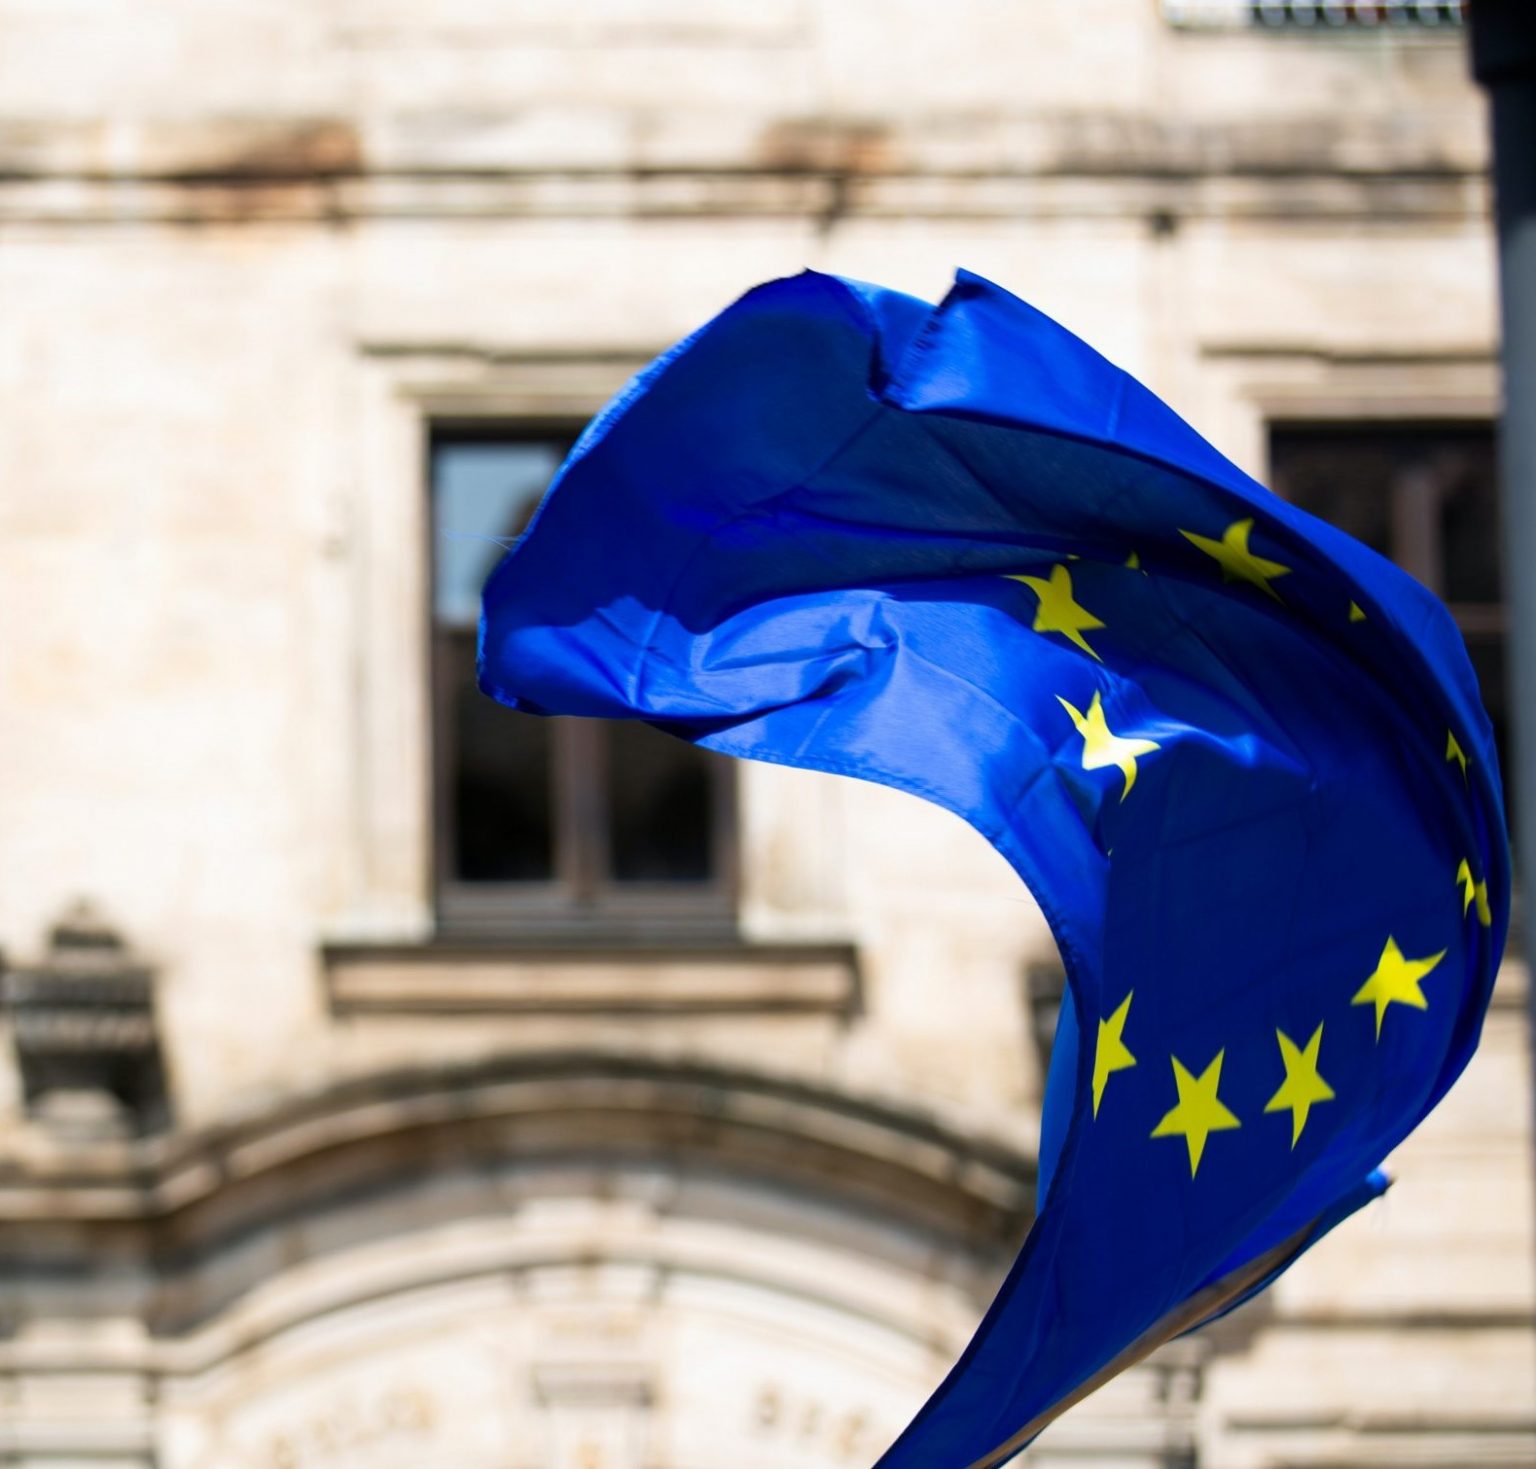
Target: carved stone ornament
[82,1019]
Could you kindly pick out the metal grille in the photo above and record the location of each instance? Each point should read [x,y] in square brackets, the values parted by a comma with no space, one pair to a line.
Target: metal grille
[1300,15]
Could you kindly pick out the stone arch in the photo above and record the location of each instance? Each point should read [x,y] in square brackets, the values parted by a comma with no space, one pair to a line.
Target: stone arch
[902,1179]
[583,1260]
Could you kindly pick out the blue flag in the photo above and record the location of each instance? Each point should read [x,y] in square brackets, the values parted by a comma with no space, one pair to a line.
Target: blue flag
[1238,758]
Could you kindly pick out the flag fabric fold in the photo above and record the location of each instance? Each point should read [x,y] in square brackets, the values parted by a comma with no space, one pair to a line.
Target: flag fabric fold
[1239,760]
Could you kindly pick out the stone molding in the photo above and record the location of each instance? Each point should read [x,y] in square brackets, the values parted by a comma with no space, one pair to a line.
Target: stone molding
[597,139]
[1154,194]
[139,1228]
[445,977]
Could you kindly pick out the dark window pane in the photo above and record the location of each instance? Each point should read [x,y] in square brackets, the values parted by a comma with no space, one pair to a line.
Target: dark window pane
[1469,520]
[499,779]
[1345,481]
[496,766]
[483,496]
[661,807]
[1487,655]
[1426,495]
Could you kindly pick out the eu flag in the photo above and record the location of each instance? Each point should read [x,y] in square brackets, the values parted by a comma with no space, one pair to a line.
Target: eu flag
[1238,758]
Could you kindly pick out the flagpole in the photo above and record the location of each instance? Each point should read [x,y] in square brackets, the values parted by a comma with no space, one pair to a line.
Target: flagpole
[1504,62]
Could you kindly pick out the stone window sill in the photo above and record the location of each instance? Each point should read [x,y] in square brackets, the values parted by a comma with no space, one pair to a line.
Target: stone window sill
[447,976]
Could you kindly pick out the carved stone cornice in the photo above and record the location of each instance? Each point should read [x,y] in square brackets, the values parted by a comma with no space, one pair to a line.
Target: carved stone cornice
[164,1216]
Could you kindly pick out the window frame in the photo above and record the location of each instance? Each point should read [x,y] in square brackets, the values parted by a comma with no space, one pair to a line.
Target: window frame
[1415,532]
[580,900]
[1418,545]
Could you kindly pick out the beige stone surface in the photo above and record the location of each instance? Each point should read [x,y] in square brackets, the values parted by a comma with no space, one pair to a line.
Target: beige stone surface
[248,253]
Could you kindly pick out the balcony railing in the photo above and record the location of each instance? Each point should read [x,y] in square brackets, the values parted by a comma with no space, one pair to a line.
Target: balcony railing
[1301,15]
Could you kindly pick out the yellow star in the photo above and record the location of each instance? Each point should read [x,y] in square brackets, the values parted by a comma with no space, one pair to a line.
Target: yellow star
[1200,1111]
[1133,561]
[1471,890]
[1101,747]
[1237,562]
[1109,1052]
[1302,1085]
[1453,751]
[1356,614]
[1058,611]
[1396,979]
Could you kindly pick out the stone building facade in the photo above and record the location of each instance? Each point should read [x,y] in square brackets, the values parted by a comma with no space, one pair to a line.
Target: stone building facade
[693,1126]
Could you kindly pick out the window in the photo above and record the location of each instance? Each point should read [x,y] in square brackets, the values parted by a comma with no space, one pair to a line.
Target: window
[1426,496]
[588,825]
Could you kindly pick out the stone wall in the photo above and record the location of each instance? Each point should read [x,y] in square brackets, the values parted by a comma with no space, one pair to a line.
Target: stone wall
[248,254]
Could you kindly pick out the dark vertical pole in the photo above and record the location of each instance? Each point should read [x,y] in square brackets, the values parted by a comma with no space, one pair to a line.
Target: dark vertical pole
[1504,61]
